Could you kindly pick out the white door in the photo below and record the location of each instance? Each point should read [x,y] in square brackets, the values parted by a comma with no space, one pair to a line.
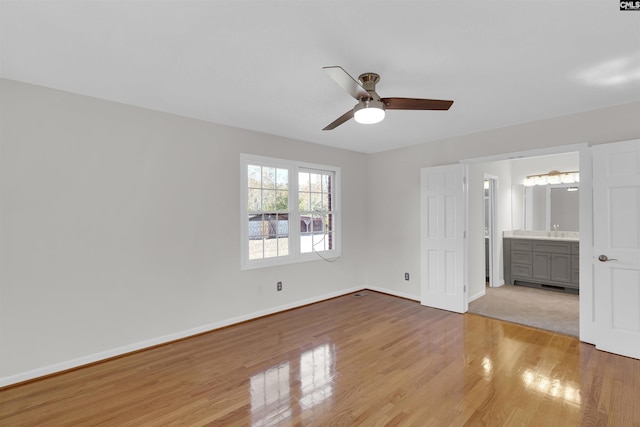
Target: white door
[616,200]
[442,227]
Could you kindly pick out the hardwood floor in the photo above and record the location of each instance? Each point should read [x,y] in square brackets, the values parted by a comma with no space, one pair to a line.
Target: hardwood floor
[372,360]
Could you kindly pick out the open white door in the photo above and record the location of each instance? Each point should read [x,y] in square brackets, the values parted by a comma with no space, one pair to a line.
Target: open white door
[442,228]
[616,200]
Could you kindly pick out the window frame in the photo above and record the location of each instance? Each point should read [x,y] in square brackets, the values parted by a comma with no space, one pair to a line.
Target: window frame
[295,255]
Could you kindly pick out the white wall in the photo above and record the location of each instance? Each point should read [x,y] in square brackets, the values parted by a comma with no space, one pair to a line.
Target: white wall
[120,228]
[395,180]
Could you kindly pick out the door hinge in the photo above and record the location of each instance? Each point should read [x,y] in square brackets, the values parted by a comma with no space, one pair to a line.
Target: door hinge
[465,288]
[464,234]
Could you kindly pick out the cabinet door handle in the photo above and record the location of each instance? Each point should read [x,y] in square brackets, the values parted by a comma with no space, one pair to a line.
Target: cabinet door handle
[604,258]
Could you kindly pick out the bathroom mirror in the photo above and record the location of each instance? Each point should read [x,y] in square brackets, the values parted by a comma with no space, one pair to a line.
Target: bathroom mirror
[549,205]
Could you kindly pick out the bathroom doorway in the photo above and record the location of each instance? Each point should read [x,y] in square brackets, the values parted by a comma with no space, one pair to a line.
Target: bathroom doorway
[508,209]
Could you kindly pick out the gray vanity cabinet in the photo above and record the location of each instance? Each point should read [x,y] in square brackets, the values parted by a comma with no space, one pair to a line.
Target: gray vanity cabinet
[542,262]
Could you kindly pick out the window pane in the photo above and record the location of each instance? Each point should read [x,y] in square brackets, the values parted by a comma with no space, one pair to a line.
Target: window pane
[256,249]
[315,182]
[254,204]
[282,179]
[268,177]
[305,224]
[283,246]
[325,202]
[268,200]
[306,242]
[316,201]
[254,174]
[283,225]
[318,224]
[325,183]
[303,181]
[283,234]
[282,200]
[270,248]
[304,201]
[255,227]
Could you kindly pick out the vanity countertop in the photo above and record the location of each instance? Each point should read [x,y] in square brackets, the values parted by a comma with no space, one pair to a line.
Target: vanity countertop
[565,236]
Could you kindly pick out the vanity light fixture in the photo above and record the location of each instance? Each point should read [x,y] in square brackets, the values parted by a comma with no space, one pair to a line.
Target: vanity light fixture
[553,177]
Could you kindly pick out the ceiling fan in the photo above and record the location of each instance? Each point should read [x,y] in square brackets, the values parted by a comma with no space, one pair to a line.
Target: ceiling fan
[370,107]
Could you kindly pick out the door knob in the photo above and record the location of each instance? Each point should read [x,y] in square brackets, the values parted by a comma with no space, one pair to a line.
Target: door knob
[605,258]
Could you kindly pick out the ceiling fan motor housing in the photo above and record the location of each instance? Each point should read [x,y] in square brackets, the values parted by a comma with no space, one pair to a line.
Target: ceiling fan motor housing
[369,81]
[368,103]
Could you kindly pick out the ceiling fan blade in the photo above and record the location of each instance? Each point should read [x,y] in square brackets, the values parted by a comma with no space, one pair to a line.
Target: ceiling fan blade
[416,104]
[340,120]
[351,85]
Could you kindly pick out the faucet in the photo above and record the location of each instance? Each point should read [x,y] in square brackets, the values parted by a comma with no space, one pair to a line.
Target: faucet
[555,229]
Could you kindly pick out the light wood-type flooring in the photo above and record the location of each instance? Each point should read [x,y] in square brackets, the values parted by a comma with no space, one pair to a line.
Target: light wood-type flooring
[375,360]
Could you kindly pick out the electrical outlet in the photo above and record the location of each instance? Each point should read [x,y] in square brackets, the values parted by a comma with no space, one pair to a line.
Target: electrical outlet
[406,276]
[279,286]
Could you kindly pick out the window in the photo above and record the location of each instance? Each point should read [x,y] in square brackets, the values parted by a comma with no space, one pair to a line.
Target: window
[289,211]
[315,209]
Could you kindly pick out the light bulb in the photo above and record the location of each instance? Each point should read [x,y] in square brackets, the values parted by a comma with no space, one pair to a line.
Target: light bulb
[541,180]
[369,112]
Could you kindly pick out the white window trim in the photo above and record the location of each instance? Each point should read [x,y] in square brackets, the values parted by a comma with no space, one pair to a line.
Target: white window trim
[295,255]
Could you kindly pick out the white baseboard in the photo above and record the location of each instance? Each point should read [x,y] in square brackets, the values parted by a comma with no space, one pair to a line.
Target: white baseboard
[394,293]
[476,296]
[119,351]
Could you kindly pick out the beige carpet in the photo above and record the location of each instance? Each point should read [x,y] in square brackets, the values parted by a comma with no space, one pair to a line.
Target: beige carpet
[540,308]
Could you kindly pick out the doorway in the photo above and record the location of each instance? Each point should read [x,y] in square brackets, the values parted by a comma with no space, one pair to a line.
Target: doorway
[490,186]
[506,211]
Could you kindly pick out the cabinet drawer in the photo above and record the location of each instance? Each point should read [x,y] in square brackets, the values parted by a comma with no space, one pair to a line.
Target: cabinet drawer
[575,276]
[520,271]
[521,245]
[575,261]
[575,248]
[552,247]
[519,257]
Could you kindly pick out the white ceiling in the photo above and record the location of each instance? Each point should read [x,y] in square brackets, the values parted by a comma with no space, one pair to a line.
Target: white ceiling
[258,64]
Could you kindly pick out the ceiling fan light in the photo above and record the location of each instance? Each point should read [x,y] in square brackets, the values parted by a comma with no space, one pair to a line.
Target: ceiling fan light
[369,112]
